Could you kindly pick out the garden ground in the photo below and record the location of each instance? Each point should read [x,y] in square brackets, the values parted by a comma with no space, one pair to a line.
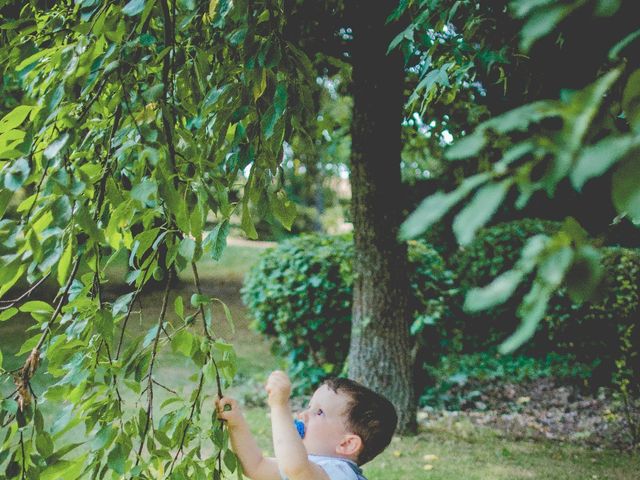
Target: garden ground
[447,447]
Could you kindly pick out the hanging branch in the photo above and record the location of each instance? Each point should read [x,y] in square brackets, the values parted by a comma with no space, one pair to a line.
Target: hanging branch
[154,353]
[196,279]
[186,427]
[145,276]
[24,375]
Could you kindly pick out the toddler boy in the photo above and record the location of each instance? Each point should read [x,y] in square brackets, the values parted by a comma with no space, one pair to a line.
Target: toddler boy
[345,426]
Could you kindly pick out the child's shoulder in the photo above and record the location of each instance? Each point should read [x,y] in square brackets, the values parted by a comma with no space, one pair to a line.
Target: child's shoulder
[338,468]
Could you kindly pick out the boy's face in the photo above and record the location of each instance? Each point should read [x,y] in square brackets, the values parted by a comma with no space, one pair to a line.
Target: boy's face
[325,423]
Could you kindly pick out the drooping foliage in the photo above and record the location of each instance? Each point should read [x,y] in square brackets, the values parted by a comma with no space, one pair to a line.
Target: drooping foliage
[587,130]
[129,125]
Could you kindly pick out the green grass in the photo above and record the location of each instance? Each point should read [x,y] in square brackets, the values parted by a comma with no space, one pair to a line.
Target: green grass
[465,451]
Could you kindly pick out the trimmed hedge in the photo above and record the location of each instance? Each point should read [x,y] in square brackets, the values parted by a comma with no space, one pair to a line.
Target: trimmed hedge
[300,292]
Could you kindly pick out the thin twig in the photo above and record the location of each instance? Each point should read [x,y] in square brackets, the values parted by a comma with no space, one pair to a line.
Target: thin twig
[186,427]
[58,309]
[165,387]
[27,294]
[130,308]
[23,456]
[149,412]
[39,186]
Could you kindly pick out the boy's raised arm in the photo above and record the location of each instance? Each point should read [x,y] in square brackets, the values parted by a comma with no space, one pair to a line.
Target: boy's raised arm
[254,465]
[291,454]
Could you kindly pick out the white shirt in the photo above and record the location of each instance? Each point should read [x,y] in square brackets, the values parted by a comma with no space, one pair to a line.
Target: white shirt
[336,468]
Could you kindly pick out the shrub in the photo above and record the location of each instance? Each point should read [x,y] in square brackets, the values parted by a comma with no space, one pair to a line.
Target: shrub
[300,292]
[600,329]
[591,331]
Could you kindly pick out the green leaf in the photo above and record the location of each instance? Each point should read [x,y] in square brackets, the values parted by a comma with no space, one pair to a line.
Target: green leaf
[198,299]
[17,174]
[64,264]
[8,313]
[44,444]
[614,53]
[153,92]
[269,120]
[541,22]
[230,460]
[626,188]
[182,342]
[178,306]
[64,469]
[217,239]
[478,212]
[496,293]
[531,312]
[280,99]
[145,241]
[283,209]
[187,249]
[117,458]
[36,306]
[247,223]
[467,146]
[150,336]
[435,206]
[10,274]
[14,118]
[54,148]
[5,197]
[134,7]
[121,305]
[631,100]
[144,190]
[553,268]
[596,159]
[227,314]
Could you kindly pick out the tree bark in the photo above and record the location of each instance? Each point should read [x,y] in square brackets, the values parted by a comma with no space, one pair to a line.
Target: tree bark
[379,355]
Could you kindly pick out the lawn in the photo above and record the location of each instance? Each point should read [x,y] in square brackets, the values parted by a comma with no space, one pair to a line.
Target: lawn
[442,450]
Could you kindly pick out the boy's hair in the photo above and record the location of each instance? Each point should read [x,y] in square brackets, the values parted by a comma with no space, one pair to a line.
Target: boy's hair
[369,415]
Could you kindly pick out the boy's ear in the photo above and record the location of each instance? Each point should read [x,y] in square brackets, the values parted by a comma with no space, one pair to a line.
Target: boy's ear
[350,445]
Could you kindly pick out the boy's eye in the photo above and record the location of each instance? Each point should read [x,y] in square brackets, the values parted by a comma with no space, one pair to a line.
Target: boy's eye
[319,412]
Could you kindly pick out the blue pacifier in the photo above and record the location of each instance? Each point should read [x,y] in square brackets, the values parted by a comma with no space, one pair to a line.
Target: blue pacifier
[299,427]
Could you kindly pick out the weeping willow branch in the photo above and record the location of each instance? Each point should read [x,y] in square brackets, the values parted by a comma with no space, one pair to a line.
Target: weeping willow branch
[154,353]
[196,279]
[186,427]
[145,276]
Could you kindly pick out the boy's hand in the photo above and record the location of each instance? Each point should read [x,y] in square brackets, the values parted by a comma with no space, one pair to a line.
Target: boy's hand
[278,388]
[229,411]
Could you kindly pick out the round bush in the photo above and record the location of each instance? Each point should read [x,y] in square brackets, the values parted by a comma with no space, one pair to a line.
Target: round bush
[300,292]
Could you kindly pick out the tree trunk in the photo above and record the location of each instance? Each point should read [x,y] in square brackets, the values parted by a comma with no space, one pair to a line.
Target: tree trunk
[379,355]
